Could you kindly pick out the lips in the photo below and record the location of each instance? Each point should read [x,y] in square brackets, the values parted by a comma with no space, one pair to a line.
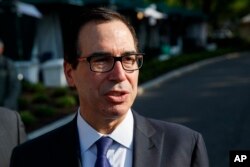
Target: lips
[116,96]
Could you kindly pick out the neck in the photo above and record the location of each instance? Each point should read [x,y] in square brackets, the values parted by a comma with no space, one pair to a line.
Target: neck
[103,125]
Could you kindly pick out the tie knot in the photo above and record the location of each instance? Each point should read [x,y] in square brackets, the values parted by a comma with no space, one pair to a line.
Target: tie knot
[103,145]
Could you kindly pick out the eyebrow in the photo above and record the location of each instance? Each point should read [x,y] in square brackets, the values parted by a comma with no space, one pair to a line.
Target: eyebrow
[109,53]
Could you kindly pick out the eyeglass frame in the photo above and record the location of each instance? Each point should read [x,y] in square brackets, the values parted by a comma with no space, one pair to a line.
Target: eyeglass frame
[115,59]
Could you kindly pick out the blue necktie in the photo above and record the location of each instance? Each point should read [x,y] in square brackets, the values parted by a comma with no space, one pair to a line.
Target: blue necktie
[103,145]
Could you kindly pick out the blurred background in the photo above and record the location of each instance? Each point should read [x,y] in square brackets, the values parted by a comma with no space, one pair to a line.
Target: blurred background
[33,30]
[172,33]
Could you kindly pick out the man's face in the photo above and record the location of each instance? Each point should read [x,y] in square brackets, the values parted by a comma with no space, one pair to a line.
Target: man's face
[104,95]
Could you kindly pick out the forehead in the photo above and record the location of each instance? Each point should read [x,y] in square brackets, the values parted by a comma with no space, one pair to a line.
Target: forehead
[112,36]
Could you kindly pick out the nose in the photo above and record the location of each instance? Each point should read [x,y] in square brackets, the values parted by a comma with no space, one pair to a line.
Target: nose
[117,74]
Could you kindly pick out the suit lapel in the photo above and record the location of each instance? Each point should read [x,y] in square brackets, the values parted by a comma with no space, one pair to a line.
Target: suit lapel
[147,144]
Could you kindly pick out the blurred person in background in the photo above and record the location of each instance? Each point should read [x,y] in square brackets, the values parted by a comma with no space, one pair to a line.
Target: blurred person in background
[12,133]
[9,83]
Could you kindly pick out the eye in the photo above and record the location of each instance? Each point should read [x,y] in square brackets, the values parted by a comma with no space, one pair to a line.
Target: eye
[130,59]
[104,58]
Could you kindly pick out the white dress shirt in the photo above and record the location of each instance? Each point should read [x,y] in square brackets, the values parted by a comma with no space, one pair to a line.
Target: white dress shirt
[120,153]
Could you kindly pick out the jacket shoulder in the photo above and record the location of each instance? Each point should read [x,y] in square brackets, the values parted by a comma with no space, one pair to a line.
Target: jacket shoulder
[184,145]
[163,126]
[55,146]
[51,138]
[175,128]
[171,131]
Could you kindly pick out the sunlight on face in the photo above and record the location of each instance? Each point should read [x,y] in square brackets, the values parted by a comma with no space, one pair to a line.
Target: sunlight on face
[106,96]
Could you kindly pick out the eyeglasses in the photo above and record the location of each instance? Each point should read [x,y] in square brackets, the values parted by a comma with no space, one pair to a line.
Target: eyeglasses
[105,62]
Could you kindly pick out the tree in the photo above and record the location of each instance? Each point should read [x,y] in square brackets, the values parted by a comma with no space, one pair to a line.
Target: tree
[218,11]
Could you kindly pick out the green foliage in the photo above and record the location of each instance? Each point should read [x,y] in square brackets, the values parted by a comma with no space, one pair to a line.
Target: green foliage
[45,104]
[61,91]
[240,7]
[40,98]
[28,118]
[30,87]
[66,101]
[23,102]
[154,68]
[218,11]
[44,111]
[39,87]
[26,85]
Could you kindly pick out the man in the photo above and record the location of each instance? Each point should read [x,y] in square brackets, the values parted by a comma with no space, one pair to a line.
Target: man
[9,84]
[103,67]
[12,133]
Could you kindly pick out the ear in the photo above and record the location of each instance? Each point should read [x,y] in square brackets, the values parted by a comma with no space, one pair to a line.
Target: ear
[68,72]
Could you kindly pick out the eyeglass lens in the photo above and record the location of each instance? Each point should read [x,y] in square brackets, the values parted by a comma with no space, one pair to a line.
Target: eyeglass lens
[105,62]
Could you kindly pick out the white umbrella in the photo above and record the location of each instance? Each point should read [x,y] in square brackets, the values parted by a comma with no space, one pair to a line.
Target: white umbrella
[246,19]
[152,12]
[28,9]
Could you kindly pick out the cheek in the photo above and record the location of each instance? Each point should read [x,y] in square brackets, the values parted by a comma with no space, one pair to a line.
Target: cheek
[88,82]
[134,80]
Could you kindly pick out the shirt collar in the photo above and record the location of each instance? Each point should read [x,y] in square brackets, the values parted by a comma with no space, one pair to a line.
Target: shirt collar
[123,134]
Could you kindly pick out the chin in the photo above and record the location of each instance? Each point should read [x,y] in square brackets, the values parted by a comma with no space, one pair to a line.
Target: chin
[117,111]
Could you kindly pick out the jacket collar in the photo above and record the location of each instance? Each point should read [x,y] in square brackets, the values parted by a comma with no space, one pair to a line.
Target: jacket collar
[147,143]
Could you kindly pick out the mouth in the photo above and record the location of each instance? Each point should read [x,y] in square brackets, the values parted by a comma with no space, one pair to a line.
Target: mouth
[116,96]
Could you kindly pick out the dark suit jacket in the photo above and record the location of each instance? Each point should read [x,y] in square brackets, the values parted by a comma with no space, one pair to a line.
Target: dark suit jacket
[157,144]
[11,134]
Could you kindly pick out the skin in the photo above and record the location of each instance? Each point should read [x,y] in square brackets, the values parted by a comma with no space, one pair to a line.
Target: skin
[105,98]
